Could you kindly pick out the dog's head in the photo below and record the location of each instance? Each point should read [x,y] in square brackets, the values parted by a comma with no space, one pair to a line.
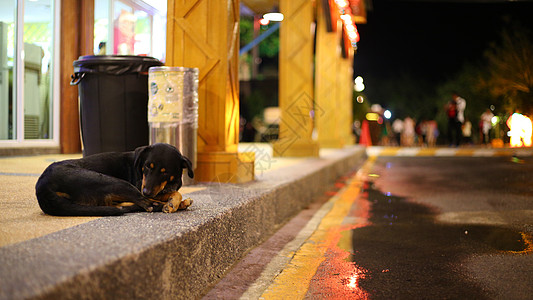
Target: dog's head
[161,166]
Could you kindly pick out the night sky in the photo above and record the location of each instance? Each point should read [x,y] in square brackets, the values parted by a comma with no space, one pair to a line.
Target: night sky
[431,40]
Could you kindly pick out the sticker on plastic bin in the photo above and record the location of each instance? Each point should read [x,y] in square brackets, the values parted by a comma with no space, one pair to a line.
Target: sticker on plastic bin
[153,88]
[165,112]
[173,95]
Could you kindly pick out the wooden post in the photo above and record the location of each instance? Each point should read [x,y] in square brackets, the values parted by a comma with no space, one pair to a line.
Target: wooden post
[345,90]
[329,99]
[204,34]
[77,26]
[296,99]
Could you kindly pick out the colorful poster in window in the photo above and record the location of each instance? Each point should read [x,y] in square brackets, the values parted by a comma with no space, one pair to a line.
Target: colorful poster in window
[124,39]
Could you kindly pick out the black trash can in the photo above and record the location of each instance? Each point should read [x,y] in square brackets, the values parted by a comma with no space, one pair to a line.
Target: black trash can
[113,91]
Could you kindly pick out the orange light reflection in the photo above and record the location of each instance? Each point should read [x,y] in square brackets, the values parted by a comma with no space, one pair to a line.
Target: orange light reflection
[521,130]
[353,281]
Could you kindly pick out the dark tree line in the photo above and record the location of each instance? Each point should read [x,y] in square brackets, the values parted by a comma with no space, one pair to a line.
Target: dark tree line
[501,79]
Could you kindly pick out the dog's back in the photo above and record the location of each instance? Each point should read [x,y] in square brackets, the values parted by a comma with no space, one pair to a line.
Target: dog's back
[61,189]
[84,187]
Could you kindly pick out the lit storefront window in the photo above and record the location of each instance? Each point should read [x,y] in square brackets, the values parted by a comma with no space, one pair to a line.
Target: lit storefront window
[27,49]
[130,27]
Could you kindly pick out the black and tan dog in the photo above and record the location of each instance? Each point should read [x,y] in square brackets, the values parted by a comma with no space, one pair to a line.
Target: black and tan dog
[100,184]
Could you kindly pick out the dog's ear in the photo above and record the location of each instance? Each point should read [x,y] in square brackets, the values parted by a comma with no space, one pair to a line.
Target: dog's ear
[140,157]
[186,163]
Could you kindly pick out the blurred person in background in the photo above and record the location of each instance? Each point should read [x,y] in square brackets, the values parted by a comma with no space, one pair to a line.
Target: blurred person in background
[486,125]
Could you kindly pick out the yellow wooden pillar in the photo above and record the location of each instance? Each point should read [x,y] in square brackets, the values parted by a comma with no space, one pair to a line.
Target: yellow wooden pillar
[329,68]
[296,99]
[345,90]
[204,34]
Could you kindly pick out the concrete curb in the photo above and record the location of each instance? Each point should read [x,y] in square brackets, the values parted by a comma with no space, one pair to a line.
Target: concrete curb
[167,256]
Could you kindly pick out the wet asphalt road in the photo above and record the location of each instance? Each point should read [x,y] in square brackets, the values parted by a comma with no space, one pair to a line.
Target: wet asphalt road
[443,228]
[403,228]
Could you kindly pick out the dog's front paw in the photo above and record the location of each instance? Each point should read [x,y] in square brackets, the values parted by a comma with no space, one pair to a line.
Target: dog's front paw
[185,203]
[175,202]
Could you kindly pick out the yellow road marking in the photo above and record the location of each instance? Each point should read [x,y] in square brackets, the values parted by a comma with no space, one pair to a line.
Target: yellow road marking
[427,152]
[293,281]
[464,152]
[390,151]
[445,151]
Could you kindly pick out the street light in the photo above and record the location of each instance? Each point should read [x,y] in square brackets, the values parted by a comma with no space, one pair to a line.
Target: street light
[274,17]
[359,86]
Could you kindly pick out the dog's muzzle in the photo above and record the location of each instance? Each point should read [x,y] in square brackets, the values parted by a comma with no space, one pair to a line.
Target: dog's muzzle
[152,192]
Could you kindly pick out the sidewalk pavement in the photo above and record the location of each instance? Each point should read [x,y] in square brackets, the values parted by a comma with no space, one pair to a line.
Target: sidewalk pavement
[164,256]
[151,255]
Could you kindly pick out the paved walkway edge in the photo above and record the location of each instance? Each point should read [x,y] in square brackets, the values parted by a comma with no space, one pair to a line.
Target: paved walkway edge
[168,256]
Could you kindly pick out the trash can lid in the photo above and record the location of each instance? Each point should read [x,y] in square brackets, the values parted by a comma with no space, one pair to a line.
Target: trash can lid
[114,64]
[172,69]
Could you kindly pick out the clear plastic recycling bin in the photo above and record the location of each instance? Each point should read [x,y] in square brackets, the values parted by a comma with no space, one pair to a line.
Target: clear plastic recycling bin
[173,109]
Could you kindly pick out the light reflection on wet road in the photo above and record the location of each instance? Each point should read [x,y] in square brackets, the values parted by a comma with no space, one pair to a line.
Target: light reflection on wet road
[405,251]
[432,228]
[405,228]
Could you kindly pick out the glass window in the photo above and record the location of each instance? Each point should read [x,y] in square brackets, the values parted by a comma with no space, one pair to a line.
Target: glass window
[138,27]
[143,31]
[26,64]
[124,29]
[7,67]
[38,53]
[101,26]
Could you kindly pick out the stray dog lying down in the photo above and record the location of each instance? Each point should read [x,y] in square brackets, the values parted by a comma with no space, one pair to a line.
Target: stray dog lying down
[111,184]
